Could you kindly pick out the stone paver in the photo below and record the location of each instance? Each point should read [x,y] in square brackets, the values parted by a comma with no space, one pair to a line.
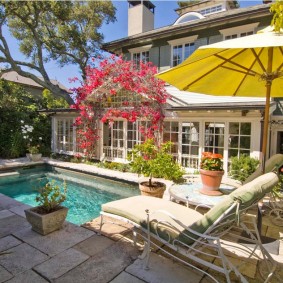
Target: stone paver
[5,213]
[28,276]
[94,245]
[22,258]
[163,270]
[125,277]
[7,203]
[57,241]
[8,242]
[20,209]
[61,263]
[12,224]
[4,274]
[112,228]
[103,266]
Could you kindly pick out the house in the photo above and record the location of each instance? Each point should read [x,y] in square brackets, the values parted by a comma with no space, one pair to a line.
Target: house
[28,84]
[194,122]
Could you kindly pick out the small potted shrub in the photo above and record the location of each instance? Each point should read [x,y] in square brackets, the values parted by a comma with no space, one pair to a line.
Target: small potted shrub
[155,161]
[34,154]
[50,214]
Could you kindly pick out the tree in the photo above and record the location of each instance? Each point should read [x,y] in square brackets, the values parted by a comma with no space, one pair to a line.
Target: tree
[64,31]
[277,21]
[119,89]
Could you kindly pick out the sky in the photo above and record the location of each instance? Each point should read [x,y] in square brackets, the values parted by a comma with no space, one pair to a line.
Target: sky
[164,15]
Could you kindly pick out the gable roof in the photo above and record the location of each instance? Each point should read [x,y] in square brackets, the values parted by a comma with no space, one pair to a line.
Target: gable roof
[13,76]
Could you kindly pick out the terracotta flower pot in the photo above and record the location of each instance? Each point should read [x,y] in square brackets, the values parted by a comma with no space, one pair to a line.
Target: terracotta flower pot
[211,181]
[156,190]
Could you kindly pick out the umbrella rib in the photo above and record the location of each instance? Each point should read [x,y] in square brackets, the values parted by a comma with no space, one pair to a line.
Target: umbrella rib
[228,60]
[220,65]
[258,60]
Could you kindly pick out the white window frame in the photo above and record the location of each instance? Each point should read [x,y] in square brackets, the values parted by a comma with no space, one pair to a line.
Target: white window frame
[238,30]
[140,50]
[183,42]
[64,130]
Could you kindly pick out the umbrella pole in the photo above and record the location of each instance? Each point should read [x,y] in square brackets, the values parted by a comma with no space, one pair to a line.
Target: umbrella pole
[268,77]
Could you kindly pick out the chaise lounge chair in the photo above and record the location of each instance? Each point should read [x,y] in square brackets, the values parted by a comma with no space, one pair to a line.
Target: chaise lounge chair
[198,237]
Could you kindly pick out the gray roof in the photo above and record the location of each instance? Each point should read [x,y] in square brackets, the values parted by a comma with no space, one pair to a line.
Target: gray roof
[184,100]
[13,76]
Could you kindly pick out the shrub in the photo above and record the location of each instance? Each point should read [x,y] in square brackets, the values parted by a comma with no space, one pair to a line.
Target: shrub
[241,168]
[154,161]
[50,197]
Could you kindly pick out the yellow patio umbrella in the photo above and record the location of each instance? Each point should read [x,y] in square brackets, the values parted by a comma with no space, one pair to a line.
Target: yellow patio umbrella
[250,66]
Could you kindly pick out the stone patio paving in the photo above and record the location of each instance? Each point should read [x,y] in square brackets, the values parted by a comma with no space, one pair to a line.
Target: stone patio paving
[78,254]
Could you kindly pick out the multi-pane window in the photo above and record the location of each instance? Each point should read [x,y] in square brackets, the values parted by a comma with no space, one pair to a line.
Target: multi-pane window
[235,35]
[239,140]
[141,57]
[170,133]
[214,137]
[132,137]
[182,52]
[65,135]
[113,140]
[211,10]
[190,144]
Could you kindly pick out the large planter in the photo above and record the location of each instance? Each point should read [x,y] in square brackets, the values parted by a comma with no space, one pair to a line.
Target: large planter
[157,189]
[35,156]
[211,181]
[46,223]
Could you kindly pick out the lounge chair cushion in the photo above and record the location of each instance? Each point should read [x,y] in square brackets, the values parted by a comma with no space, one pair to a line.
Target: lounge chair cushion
[247,195]
[255,190]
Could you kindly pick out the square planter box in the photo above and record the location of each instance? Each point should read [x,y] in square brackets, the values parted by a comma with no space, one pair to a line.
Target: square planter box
[46,223]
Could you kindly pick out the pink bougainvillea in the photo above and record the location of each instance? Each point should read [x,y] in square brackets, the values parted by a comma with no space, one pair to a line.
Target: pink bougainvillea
[118,89]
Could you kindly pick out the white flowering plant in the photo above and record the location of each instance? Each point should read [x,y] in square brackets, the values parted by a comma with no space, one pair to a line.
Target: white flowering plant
[33,146]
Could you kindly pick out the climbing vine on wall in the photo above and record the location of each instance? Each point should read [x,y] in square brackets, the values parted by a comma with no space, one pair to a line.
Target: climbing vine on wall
[118,89]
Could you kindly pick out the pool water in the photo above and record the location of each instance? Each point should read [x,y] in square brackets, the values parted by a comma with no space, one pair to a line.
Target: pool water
[85,193]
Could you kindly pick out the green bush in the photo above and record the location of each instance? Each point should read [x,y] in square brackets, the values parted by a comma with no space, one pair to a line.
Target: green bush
[241,168]
[155,161]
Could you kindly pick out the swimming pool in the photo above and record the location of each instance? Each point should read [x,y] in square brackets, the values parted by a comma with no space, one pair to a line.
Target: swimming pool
[85,193]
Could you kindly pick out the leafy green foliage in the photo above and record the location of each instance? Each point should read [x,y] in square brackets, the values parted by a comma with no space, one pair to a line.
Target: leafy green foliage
[155,161]
[241,168]
[65,31]
[51,196]
[51,102]
[17,108]
[277,20]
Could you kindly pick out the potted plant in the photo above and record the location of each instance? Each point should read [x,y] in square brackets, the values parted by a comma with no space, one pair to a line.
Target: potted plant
[50,214]
[211,172]
[155,161]
[34,154]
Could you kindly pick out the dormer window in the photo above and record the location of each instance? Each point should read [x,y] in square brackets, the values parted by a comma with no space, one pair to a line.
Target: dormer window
[181,49]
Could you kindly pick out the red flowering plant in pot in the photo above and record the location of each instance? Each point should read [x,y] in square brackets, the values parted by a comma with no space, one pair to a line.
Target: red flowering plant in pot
[211,172]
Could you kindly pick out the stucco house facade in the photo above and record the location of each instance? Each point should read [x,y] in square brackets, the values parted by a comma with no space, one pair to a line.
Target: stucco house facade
[194,122]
